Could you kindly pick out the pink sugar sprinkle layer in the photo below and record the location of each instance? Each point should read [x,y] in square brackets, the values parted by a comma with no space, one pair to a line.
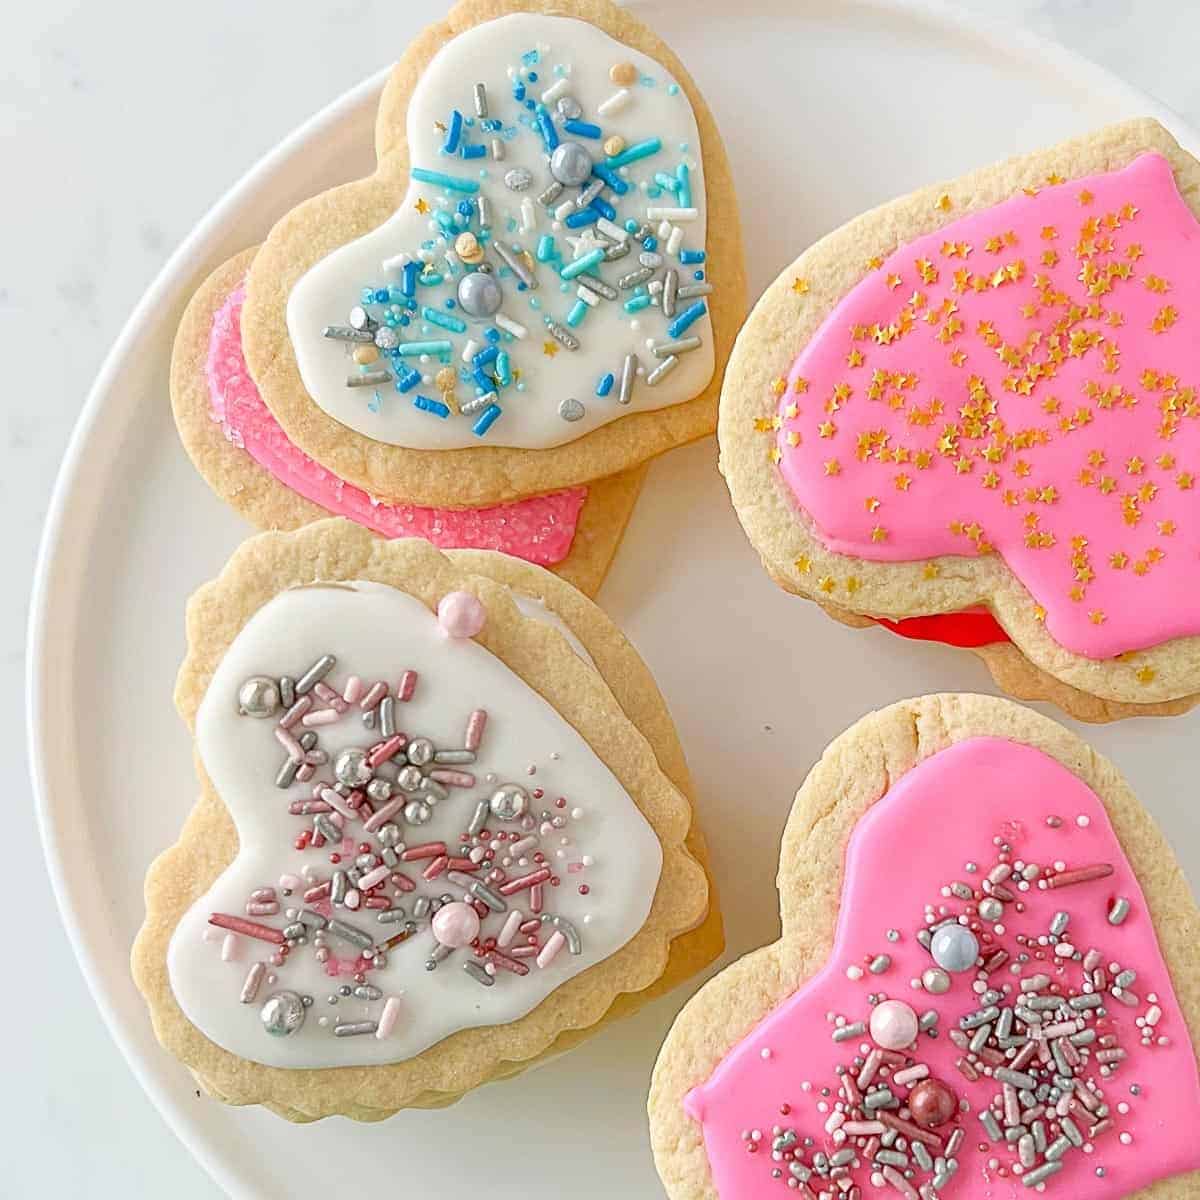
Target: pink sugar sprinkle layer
[539,529]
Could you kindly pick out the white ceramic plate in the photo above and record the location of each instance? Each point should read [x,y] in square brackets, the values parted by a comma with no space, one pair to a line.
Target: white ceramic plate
[828,109]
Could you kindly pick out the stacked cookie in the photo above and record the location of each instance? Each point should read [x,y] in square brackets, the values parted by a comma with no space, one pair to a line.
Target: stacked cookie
[445,827]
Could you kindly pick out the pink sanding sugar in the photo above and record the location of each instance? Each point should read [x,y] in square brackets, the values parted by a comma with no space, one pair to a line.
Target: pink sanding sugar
[539,529]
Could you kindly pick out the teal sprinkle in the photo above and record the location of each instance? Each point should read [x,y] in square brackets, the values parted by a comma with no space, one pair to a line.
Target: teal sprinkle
[684,194]
[503,368]
[591,259]
[444,219]
[647,81]
[668,182]
[578,311]
[412,349]
[637,303]
[632,154]
[672,89]
[545,248]
[451,182]
[432,279]
[444,320]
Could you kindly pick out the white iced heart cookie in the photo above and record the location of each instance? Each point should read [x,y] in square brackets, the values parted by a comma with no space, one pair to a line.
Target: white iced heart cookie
[446,845]
[549,252]
[543,275]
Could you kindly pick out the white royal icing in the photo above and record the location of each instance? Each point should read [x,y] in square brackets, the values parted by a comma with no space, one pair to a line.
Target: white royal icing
[378,632]
[573,61]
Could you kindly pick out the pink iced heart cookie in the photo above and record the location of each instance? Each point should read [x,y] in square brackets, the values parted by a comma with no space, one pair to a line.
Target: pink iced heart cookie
[984,988]
[981,400]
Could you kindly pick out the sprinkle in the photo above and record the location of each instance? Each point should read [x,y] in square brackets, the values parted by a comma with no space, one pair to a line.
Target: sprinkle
[663,368]
[434,317]
[550,950]
[434,407]
[476,724]
[583,129]
[252,983]
[1119,911]
[453,133]
[315,674]
[679,346]
[450,182]
[618,101]
[478,973]
[253,929]
[586,262]
[629,371]
[672,214]
[481,104]
[389,1016]
[688,317]
[634,153]
[355,1029]
[486,420]
[1080,875]
[413,349]
[510,326]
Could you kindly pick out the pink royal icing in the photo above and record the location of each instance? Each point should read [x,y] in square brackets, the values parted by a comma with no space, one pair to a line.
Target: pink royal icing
[539,529]
[1023,381]
[783,1075]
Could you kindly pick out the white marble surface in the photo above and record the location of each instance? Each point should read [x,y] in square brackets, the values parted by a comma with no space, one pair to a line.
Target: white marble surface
[121,123]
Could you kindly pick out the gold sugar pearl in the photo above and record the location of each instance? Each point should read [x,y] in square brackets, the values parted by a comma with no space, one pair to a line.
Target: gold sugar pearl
[446,379]
[365,355]
[467,247]
[614,145]
[623,74]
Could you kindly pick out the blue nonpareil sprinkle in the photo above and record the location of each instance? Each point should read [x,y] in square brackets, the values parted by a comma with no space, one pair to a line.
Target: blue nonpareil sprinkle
[453,133]
[486,420]
[472,150]
[603,207]
[689,316]
[689,258]
[503,369]
[582,217]
[584,129]
[451,183]
[485,356]
[605,385]
[483,381]
[434,407]
[518,91]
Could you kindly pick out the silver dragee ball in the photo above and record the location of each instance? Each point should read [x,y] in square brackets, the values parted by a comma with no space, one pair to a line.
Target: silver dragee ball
[420,751]
[570,164]
[258,697]
[282,1014]
[409,778]
[351,767]
[417,812]
[479,294]
[935,981]
[508,801]
[991,909]
[379,790]
[954,948]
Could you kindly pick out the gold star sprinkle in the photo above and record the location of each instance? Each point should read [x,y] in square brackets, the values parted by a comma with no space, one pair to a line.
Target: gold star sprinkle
[1146,674]
[804,564]
[778,386]
[799,286]
[549,349]
[943,203]
[421,205]
[931,571]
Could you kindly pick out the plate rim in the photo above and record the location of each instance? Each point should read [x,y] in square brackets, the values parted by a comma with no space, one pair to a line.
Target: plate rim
[191,256]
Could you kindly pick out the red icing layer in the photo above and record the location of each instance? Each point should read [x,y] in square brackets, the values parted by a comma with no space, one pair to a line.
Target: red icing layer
[1024,382]
[965,629]
[905,859]
[539,529]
